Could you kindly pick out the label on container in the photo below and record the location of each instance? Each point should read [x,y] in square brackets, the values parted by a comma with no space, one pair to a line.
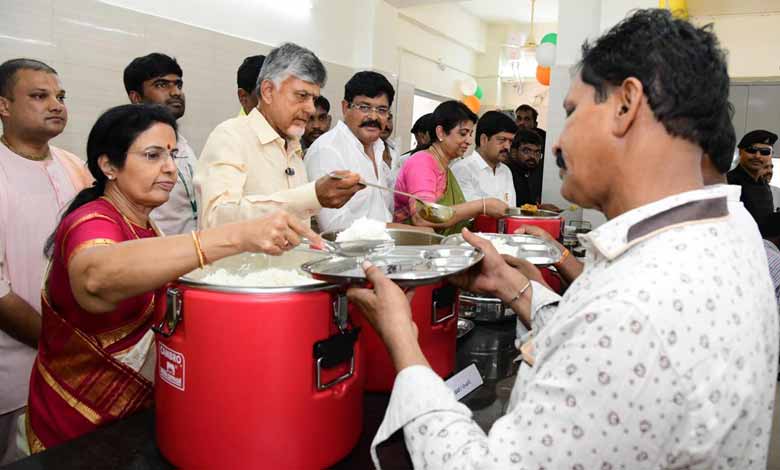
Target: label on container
[171,367]
[465,381]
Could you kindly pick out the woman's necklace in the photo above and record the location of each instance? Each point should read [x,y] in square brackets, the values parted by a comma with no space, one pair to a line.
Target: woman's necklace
[34,158]
[124,217]
[436,154]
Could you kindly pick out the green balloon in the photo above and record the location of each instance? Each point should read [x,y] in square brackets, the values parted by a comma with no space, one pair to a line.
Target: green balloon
[478,92]
[552,38]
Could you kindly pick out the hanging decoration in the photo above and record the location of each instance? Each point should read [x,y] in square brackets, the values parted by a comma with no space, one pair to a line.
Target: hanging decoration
[479,93]
[679,8]
[472,102]
[545,54]
[543,75]
[551,38]
[468,86]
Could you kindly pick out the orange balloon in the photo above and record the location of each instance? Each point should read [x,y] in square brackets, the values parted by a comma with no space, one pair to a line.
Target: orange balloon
[472,102]
[543,75]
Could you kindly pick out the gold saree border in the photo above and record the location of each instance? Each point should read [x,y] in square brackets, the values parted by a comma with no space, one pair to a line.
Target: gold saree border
[84,410]
[108,338]
[33,442]
[89,244]
[79,221]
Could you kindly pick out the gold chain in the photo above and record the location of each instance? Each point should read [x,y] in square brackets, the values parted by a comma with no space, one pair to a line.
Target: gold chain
[28,157]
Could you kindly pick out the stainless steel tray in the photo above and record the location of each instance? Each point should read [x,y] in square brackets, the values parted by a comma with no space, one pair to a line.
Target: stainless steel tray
[533,249]
[464,327]
[402,237]
[406,265]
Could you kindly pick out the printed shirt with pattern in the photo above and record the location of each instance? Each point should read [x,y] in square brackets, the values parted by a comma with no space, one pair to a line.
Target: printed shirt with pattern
[662,354]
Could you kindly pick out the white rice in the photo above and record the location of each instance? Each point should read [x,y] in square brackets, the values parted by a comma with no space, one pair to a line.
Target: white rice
[270,277]
[364,229]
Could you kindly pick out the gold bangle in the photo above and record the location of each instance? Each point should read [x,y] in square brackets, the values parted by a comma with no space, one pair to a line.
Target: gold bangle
[564,255]
[519,294]
[198,250]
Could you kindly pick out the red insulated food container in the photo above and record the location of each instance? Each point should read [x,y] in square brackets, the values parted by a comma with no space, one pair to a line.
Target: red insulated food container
[552,222]
[266,378]
[485,224]
[434,313]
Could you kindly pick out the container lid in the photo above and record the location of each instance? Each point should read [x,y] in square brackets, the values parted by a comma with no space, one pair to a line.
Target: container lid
[247,266]
[518,213]
[405,265]
[533,249]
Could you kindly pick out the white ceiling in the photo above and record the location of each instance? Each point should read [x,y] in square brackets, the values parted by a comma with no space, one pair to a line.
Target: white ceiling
[512,11]
[497,11]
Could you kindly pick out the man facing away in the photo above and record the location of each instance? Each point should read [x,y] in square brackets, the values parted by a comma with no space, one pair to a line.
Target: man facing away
[157,79]
[36,181]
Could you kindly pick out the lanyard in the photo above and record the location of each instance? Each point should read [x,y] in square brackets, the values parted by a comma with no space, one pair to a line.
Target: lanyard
[190,195]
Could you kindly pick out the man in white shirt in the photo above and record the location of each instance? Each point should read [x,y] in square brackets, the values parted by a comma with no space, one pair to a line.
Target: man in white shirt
[483,173]
[157,79]
[355,143]
[663,352]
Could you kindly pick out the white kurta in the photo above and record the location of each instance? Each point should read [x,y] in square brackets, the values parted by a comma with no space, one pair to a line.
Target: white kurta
[477,179]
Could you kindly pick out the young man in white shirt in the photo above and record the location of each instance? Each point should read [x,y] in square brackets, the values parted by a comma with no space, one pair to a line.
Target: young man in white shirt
[356,143]
[157,79]
[484,174]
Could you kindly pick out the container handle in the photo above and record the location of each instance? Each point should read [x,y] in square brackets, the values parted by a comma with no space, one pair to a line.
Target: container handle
[338,380]
[446,296]
[173,315]
[501,228]
[335,350]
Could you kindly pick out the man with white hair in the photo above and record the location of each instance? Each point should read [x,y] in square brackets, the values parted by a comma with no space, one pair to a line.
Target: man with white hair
[252,164]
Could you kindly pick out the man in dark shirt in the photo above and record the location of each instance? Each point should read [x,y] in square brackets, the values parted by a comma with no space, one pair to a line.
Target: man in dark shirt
[525,161]
[527,117]
[755,151]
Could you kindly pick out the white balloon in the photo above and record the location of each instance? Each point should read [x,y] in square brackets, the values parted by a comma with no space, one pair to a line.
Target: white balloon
[545,54]
[468,86]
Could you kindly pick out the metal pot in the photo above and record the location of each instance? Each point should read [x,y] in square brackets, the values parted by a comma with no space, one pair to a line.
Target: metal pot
[483,309]
[492,348]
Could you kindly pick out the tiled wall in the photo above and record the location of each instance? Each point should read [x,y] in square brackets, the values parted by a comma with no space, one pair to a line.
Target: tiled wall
[90,43]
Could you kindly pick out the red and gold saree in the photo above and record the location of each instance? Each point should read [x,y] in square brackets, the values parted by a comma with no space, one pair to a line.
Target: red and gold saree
[77,382]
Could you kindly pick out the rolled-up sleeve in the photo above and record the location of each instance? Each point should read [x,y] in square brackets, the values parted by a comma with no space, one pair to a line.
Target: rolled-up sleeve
[220,181]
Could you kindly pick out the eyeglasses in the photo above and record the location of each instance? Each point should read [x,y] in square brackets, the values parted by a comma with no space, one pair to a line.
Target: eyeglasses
[158,155]
[765,151]
[367,109]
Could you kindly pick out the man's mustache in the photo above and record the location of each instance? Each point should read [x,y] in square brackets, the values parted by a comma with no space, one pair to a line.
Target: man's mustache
[372,123]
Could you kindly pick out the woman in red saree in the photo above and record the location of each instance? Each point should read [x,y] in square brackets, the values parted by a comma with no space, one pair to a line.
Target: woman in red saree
[96,354]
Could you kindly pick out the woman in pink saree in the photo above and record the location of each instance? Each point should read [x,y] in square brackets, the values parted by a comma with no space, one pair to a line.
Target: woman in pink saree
[95,359]
[427,175]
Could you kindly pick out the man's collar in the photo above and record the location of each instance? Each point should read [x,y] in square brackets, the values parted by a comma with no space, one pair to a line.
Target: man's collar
[621,233]
[481,162]
[262,128]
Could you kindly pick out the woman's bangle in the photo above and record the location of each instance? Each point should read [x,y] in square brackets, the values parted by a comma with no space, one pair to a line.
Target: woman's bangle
[519,294]
[198,249]
[484,209]
[564,255]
